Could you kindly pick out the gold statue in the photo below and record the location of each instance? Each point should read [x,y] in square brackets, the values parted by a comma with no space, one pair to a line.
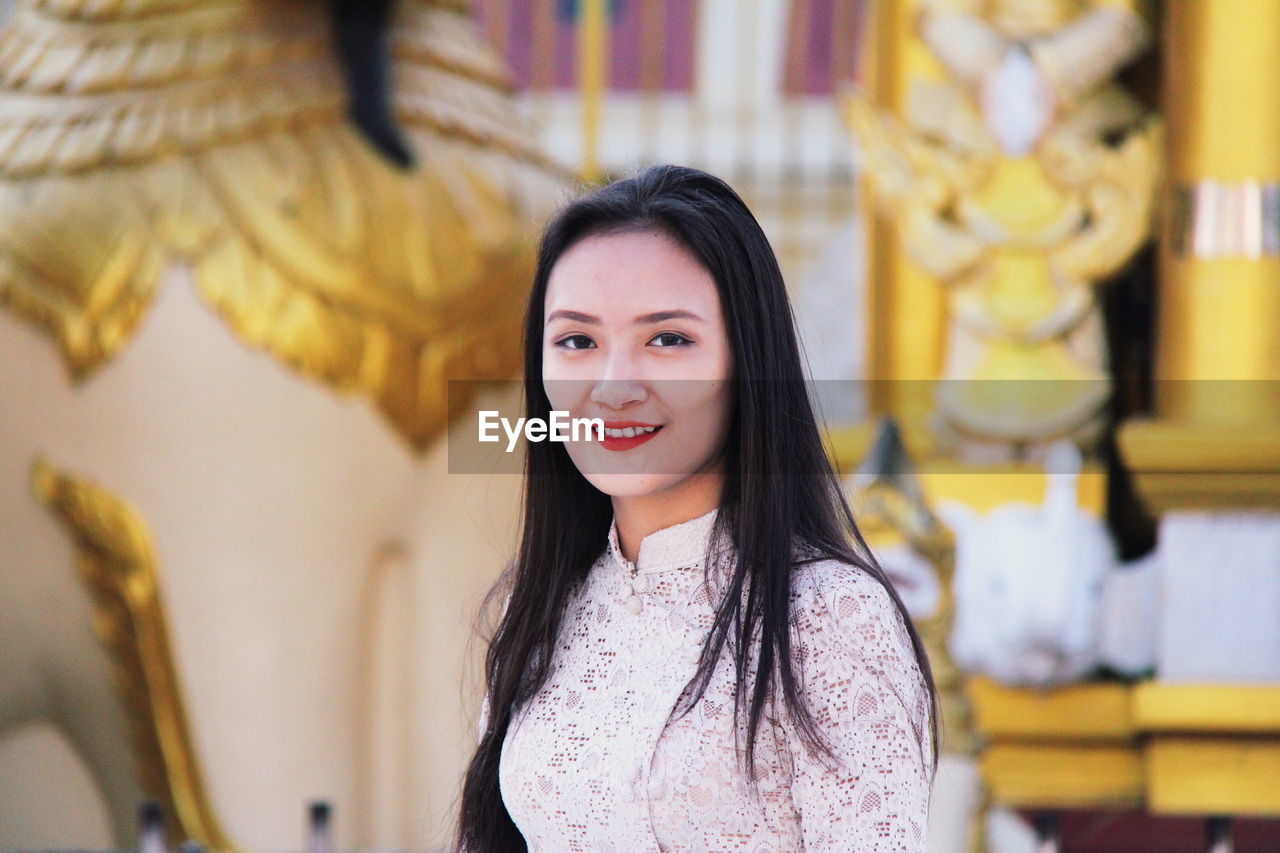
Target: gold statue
[137,133]
[1019,177]
[348,187]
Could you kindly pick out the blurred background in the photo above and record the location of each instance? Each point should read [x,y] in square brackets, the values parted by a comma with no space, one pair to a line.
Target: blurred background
[246,246]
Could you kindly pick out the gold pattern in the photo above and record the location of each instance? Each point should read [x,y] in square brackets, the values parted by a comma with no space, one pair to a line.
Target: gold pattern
[117,565]
[136,134]
[1017,243]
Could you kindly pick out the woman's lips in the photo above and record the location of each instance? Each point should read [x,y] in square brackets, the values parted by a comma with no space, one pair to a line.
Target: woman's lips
[613,442]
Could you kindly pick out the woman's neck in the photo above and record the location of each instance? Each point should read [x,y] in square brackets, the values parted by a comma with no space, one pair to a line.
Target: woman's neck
[639,515]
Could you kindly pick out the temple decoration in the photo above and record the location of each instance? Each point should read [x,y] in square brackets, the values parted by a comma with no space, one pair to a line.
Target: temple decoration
[1215,443]
[1222,254]
[1017,177]
[116,563]
[137,134]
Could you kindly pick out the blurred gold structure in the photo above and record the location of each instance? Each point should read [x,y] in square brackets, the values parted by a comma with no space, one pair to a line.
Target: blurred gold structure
[988,246]
[116,563]
[1074,747]
[135,134]
[1012,245]
[1208,746]
[1215,440]
[593,59]
[1213,443]
[1172,749]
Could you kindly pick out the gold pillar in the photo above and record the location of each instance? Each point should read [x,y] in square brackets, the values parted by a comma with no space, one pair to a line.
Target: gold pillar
[1219,297]
[593,30]
[1216,440]
[905,306]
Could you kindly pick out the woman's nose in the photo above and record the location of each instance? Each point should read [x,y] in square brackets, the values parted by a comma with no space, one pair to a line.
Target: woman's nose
[615,376]
[616,393]
[619,386]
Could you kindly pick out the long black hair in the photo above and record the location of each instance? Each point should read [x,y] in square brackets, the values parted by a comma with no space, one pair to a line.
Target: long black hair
[779,487]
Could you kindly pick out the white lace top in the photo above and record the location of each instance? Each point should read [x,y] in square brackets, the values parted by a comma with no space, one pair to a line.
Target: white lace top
[591,763]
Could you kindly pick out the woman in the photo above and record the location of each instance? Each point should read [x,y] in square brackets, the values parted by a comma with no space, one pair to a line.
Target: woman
[626,709]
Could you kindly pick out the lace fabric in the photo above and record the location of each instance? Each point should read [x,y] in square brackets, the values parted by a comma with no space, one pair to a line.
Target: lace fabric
[595,762]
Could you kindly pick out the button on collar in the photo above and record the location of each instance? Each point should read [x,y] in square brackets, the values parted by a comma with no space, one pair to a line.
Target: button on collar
[682,545]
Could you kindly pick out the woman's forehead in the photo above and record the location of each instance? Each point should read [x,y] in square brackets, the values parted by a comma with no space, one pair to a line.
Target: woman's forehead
[640,272]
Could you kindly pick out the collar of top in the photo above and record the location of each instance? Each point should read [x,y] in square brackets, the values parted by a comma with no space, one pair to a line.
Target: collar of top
[682,545]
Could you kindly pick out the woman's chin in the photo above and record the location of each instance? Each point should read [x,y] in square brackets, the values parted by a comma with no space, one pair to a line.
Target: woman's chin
[630,485]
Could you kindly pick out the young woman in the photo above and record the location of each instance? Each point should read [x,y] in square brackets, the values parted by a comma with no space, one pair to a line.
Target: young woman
[698,651]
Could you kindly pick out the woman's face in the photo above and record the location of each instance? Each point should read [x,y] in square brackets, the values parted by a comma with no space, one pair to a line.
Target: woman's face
[634,334]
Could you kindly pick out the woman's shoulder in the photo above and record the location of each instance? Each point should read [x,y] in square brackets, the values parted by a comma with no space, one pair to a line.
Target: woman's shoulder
[839,609]
[852,637]
[839,589]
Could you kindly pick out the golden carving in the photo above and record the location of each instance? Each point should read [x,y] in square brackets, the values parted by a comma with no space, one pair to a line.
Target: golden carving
[135,134]
[115,561]
[1018,241]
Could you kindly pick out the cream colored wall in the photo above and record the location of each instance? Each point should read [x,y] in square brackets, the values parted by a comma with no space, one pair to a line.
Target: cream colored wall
[300,544]
[452,573]
[57,805]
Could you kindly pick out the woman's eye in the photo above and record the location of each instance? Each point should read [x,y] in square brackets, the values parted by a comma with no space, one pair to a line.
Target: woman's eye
[670,339]
[576,342]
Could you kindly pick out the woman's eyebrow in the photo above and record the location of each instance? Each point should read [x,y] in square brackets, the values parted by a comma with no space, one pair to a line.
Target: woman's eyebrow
[643,319]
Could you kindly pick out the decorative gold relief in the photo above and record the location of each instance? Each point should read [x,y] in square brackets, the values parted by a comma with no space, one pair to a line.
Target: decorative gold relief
[136,134]
[1016,222]
[115,561]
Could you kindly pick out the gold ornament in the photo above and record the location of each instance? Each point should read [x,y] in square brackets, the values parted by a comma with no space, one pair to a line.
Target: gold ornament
[1019,242]
[117,565]
[138,133]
